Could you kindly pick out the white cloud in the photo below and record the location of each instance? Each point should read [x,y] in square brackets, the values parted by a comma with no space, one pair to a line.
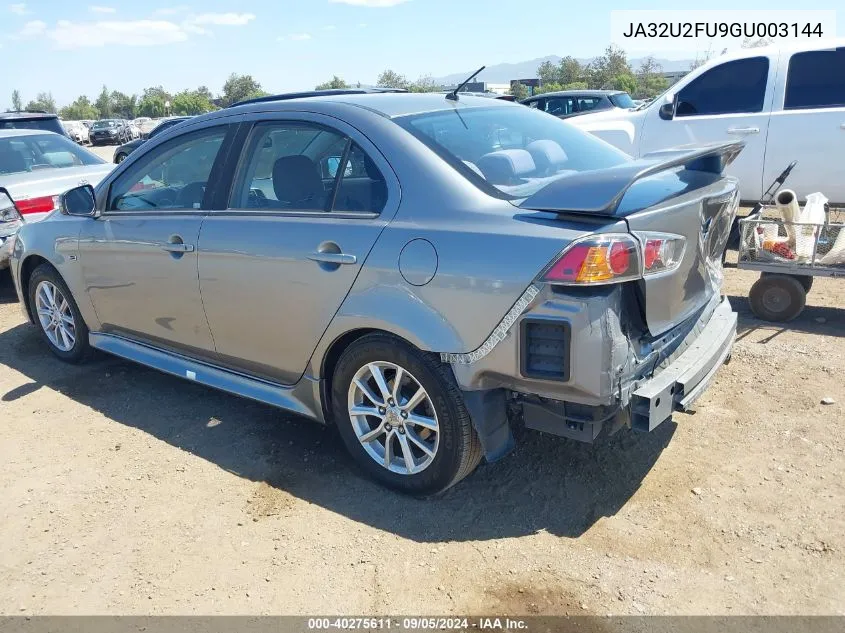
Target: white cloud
[98,9]
[222,19]
[370,3]
[18,9]
[33,28]
[171,10]
[68,35]
[330,27]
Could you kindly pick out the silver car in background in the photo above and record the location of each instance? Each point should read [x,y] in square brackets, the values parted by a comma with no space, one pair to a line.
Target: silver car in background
[35,168]
[426,272]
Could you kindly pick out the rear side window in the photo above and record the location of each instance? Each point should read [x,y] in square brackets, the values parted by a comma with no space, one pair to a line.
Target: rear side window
[560,106]
[816,79]
[734,87]
[298,166]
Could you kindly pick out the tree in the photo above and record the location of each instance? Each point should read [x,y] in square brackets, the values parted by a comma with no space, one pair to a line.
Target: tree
[650,79]
[240,87]
[190,102]
[519,90]
[80,109]
[103,104]
[17,104]
[391,79]
[123,106]
[152,106]
[570,70]
[547,73]
[43,101]
[332,84]
[752,43]
[425,83]
[609,69]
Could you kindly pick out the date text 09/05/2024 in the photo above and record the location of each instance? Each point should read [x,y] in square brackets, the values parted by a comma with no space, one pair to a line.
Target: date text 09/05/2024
[417,624]
[721,29]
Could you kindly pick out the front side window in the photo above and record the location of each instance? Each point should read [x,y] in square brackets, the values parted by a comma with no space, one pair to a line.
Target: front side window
[172,176]
[816,79]
[585,104]
[734,87]
[42,151]
[301,166]
[510,152]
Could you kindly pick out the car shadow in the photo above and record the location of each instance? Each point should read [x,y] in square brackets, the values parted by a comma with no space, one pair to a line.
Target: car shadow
[7,288]
[821,320]
[547,484]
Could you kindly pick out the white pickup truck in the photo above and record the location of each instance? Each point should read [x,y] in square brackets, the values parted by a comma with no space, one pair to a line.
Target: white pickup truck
[785,103]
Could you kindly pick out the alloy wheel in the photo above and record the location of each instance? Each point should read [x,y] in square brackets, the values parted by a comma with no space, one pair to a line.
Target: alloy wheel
[393,418]
[55,316]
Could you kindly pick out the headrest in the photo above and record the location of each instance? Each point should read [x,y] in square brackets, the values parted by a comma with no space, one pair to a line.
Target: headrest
[506,165]
[547,155]
[297,182]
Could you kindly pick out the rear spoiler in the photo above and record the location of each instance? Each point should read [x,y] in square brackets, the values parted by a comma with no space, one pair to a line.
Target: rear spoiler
[601,191]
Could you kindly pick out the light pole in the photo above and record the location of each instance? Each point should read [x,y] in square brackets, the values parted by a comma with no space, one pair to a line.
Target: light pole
[167,108]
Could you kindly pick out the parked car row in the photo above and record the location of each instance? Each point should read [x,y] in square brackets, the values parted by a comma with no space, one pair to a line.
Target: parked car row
[122,152]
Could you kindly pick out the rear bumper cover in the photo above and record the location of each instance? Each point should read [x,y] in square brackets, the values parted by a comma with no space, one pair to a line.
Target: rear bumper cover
[678,386]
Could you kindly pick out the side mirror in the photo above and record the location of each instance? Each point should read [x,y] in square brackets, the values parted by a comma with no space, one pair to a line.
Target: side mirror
[79,201]
[667,109]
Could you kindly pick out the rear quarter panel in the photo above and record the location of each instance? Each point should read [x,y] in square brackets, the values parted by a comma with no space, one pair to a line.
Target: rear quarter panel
[487,253]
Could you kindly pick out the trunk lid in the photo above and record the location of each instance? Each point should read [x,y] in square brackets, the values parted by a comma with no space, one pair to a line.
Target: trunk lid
[677,192]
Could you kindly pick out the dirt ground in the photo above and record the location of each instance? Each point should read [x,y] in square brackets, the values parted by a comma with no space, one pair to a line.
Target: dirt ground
[125,491]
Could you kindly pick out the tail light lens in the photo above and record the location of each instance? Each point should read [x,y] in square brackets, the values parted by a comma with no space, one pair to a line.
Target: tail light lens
[44,204]
[662,252]
[597,259]
[8,212]
[616,257]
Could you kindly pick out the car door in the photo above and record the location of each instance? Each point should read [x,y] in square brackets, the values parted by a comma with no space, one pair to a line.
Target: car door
[727,102]
[139,256]
[310,196]
[808,124]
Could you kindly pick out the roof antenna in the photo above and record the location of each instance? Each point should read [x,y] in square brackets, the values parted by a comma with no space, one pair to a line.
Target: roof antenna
[453,96]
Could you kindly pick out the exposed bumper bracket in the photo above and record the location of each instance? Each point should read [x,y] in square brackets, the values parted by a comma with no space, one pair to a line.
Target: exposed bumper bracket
[678,386]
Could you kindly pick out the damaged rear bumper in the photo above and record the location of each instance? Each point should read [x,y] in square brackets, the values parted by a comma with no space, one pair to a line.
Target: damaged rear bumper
[678,386]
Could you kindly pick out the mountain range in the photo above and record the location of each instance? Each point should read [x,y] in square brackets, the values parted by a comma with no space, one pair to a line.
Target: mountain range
[503,73]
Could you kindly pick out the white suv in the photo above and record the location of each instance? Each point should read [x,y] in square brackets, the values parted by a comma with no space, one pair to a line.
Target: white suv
[785,103]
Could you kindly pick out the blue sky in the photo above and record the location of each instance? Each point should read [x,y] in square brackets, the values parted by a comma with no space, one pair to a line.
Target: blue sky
[70,47]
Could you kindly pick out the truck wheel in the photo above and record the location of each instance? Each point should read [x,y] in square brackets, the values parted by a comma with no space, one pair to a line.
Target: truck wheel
[804,280]
[777,297]
[402,417]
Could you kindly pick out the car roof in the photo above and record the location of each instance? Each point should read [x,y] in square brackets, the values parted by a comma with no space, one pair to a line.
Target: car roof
[27,115]
[578,93]
[12,132]
[388,104]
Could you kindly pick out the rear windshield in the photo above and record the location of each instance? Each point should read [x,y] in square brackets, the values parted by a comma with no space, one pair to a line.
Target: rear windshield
[622,100]
[510,152]
[20,154]
[48,124]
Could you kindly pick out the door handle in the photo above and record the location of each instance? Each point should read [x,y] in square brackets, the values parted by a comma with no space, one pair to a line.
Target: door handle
[332,258]
[743,130]
[177,247]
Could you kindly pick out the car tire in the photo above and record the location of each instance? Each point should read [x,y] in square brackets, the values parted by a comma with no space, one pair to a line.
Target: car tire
[432,426]
[777,298]
[120,158]
[49,299]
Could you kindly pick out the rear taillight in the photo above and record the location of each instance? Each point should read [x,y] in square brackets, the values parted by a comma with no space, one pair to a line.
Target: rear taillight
[616,257]
[662,252]
[8,212]
[597,259]
[44,204]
